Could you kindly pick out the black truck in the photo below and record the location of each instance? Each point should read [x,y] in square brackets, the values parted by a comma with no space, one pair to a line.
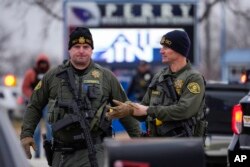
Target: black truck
[239,148]
[220,99]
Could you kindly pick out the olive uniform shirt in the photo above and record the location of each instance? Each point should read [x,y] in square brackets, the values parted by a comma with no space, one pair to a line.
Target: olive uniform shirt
[190,87]
[47,91]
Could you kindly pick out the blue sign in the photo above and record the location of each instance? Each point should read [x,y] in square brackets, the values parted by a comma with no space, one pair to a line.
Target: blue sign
[127,45]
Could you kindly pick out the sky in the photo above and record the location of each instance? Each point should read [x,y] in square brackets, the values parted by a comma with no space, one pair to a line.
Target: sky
[26,24]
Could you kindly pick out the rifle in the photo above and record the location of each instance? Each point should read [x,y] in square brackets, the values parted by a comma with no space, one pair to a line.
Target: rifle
[77,117]
[169,89]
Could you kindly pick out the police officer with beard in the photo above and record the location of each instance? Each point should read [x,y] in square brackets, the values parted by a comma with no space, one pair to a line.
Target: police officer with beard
[174,104]
[78,81]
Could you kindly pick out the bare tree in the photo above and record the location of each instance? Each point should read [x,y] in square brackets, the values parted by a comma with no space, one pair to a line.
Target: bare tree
[47,6]
[14,59]
[237,25]
[236,31]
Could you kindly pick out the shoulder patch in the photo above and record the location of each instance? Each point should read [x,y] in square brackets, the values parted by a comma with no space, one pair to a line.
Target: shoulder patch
[194,87]
[38,86]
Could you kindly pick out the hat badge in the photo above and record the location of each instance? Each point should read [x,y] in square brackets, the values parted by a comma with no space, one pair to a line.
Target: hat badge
[168,42]
[81,40]
[165,41]
[162,40]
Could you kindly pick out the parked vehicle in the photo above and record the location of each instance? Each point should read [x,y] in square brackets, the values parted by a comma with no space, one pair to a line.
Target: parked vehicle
[239,148]
[11,100]
[220,99]
[11,152]
[154,152]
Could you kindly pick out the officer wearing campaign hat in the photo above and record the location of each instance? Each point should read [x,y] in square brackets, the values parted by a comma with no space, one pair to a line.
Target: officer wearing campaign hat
[76,89]
[174,104]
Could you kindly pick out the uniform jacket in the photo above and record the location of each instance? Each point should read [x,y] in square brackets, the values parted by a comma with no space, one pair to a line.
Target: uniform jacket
[190,87]
[48,90]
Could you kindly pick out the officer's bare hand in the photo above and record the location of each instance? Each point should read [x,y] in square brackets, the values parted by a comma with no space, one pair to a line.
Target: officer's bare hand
[120,110]
[26,143]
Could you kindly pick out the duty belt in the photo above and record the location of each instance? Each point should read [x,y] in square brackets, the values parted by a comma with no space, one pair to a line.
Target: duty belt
[191,122]
[59,146]
[176,128]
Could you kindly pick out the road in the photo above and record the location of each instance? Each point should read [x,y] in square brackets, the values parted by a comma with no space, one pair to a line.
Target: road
[34,162]
[42,162]
[38,162]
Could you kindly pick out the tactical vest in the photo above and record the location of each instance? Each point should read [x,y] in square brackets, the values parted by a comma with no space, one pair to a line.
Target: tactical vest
[158,95]
[161,97]
[89,88]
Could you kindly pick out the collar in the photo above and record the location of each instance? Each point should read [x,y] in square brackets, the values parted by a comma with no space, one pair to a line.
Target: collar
[168,72]
[84,71]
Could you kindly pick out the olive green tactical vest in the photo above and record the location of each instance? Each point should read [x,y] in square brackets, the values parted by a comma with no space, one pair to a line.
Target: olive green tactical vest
[158,97]
[90,86]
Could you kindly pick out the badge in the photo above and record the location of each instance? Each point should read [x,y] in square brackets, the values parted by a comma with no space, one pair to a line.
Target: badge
[95,74]
[194,87]
[38,86]
[162,40]
[81,40]
[165,41]
[178,85]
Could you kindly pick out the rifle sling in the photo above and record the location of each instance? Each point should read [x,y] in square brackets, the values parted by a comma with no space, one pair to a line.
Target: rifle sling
[97,116]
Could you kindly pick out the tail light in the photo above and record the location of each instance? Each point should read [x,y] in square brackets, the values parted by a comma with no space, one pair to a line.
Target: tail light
[243,78]
[124,163]
[237,119]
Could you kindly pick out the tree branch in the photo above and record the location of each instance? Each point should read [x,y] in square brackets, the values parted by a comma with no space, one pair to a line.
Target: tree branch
[42,4]
[244,14]
[208,10]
